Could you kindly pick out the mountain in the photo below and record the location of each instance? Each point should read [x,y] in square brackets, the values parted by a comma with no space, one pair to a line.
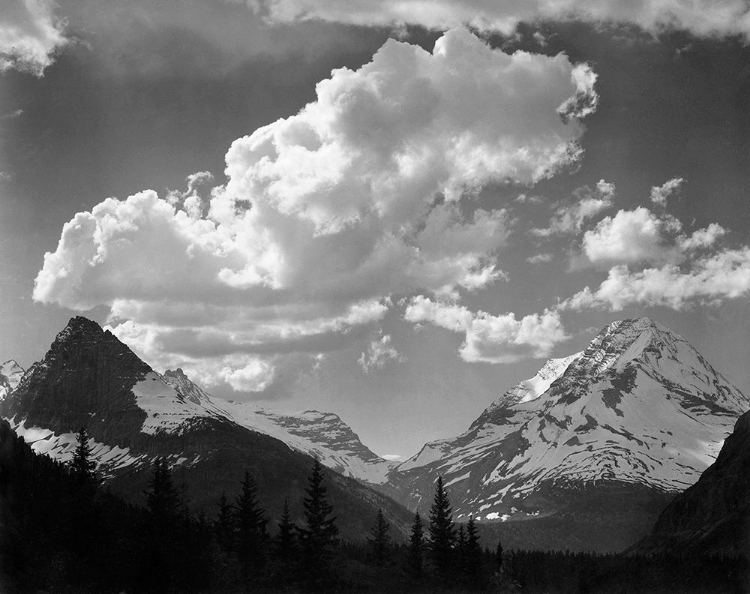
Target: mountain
[10,375]
[713,516]
[600,439]
[319,434]
[88,378]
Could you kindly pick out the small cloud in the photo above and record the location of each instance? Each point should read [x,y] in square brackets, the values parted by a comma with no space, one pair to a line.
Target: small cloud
[571,218]
[392,457]
[378,354]
[530,199]
[540,258]
[660,194]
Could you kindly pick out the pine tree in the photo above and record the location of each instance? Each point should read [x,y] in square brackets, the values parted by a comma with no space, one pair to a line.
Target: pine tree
[442,533]
[163,546]
[251,527]
[416,548]
[472,556]
[499,557]
[285,541]
[82,467]
[224,525]
[460,550]
[379,540]
[318,540]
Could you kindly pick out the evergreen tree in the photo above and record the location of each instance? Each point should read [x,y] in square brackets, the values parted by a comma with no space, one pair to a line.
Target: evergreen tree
[472,556]
[164,545]
[442,533]
[416,548]
[318,540]
[82,467]
[251,527]
[285,541]
[499,557]
[224,525]
[379,540]
[460,550]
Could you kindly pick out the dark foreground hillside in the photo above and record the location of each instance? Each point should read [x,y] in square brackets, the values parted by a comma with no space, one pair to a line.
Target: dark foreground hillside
[63,532]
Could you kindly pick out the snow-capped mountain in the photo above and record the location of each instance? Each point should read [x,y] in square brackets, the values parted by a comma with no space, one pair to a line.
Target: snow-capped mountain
[319,434]
[133,414]
[170,404]
[639,406]
[10,375]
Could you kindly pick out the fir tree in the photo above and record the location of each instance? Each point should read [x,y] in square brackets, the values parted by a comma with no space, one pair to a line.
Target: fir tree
[442,533]
[82,467]
[416,548]
[318,540]
[499,557]
[224,525]
[251,526]
[472,556]
[285,541]
[379,540]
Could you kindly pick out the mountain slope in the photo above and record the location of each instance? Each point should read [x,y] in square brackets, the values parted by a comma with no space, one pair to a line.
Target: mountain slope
[639,411]
[133,415]
[713,516]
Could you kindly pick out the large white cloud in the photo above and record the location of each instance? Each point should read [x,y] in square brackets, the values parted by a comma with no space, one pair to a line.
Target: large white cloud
[365,193]
[29,35]
[490,338]
[702,17]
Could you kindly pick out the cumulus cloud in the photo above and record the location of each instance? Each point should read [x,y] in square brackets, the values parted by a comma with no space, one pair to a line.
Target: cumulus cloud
[378,354]
[651,260]
[367,192]
[641,236]
[701,17]
[489,338]
[571,218]
[29,35]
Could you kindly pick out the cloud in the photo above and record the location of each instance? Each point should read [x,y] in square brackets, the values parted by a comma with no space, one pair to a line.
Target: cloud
[660,194]
[30,34]
[701,17]
[491,339]
[365,193]
[378,354]
[540,258]
[571,218]
[652,261]
[711,279]
[642,237]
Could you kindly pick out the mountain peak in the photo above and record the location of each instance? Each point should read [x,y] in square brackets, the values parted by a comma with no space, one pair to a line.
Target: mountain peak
[78,326]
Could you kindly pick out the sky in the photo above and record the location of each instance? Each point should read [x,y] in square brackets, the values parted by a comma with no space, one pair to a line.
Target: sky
[390,210]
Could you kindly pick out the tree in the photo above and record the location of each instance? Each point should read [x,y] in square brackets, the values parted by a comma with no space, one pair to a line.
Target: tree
[380,540]
[416,548]
[442,533]
[472,556]
[82,467]
[319,539]
[251,526]
[285,541]
[224,525]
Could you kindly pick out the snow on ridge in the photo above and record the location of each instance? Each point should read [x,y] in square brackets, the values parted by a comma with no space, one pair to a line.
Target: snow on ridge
[61,447]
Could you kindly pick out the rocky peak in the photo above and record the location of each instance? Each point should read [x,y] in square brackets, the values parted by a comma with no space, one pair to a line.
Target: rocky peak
[10,376]
[85,379]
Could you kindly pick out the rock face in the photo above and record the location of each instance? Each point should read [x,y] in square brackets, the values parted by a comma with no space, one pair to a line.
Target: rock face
[133,414]
[713,516]
[632,420]
[10,374]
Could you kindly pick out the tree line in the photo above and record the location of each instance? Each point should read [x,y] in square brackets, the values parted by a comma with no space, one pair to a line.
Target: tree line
[63,531]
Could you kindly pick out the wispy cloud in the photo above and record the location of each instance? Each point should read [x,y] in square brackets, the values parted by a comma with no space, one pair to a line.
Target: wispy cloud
[30,34]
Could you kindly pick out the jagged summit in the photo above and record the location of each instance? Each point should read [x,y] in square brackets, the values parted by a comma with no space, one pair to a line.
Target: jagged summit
[10,376]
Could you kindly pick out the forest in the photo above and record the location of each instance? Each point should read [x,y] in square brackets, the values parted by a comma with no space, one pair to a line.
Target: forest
[63,531]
